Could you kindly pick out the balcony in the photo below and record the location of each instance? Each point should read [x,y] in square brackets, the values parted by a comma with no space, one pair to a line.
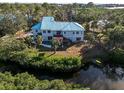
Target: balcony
[58,34]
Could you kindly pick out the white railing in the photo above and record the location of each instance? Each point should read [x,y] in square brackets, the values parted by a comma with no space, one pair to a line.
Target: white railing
[48,46]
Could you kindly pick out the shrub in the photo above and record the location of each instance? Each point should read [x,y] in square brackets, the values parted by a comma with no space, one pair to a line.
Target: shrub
[117,56]
[31,59]
[17,52]
[63,63]
[24,81]
[9,45]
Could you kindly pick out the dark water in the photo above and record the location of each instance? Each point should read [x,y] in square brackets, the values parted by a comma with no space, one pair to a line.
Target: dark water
[108,77]
[92,76]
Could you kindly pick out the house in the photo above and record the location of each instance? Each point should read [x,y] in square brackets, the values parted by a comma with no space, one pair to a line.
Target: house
[102,23]
[49,29]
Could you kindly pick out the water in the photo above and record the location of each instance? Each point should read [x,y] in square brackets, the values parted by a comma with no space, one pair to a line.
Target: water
[100,78]
[92,76]
[114,7]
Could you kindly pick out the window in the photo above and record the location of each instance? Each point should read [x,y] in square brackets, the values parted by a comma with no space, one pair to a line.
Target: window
[39,33]
[44,31]
[49,31]
[77,32]
[58,32]
[73,32]
[49,37]
[64,32]
[78,38]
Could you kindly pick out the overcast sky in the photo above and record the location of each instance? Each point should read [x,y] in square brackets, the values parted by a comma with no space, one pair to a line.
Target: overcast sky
[66,1]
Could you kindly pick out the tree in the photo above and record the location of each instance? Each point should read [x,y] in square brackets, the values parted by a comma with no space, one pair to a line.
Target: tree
[10,24]
[25,81]
[46,7]
[29,40]
[116,36]
[21,22]
[90,4]
[10,44]
[117,55]
[91,37]
[87,27]
[38,40]
[94,25]
[7,26]
[55,44]
[53,9]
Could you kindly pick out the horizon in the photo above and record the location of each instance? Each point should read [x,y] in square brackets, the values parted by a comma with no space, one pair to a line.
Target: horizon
[65,1]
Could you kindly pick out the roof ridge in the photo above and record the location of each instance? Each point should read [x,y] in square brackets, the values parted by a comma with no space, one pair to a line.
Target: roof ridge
[63,21]
[78,25]
[66,26]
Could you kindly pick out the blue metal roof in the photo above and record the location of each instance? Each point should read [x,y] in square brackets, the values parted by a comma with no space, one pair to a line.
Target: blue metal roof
[48,23]
[37,26]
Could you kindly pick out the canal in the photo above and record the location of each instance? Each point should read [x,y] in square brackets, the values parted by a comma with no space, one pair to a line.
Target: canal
[91,75]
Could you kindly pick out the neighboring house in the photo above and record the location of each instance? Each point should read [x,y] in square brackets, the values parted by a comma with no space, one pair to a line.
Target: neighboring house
[49,29]
[102,23]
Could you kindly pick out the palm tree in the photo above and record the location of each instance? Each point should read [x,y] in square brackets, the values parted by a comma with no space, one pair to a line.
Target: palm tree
[94,25]
[55,44]
[29,40]
[38,40]
[91,37]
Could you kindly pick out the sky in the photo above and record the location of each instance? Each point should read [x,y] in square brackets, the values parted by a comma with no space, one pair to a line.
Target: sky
[66,1]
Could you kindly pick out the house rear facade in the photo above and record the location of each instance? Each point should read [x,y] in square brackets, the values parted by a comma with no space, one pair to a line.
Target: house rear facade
[49,29]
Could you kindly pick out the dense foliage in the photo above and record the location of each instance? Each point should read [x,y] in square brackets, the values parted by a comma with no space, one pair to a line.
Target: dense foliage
[24,81]
[10,24]
[14,50]
[69,12]
[9,44]
[30,58]
[117,56]
[116,36]
[105,40]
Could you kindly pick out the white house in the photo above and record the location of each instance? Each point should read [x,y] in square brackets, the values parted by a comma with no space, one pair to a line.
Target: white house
[49,29]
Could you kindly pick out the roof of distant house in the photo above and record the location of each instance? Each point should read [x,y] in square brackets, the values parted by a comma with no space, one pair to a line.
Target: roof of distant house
[48,23]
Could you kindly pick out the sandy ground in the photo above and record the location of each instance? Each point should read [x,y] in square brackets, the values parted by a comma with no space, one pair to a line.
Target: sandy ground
[74,50]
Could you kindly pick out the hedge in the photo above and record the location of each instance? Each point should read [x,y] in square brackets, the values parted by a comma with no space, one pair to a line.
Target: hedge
[30,58]
[117,56]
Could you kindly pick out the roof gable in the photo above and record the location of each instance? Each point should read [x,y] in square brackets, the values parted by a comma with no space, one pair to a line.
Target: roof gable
[37,26]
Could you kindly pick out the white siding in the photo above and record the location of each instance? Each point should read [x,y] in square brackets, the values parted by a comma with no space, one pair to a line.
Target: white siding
[67,34]
[71,36]
[35,32]
[45,35]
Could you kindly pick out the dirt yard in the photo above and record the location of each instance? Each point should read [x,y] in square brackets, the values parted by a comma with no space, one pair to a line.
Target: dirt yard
[74,50]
